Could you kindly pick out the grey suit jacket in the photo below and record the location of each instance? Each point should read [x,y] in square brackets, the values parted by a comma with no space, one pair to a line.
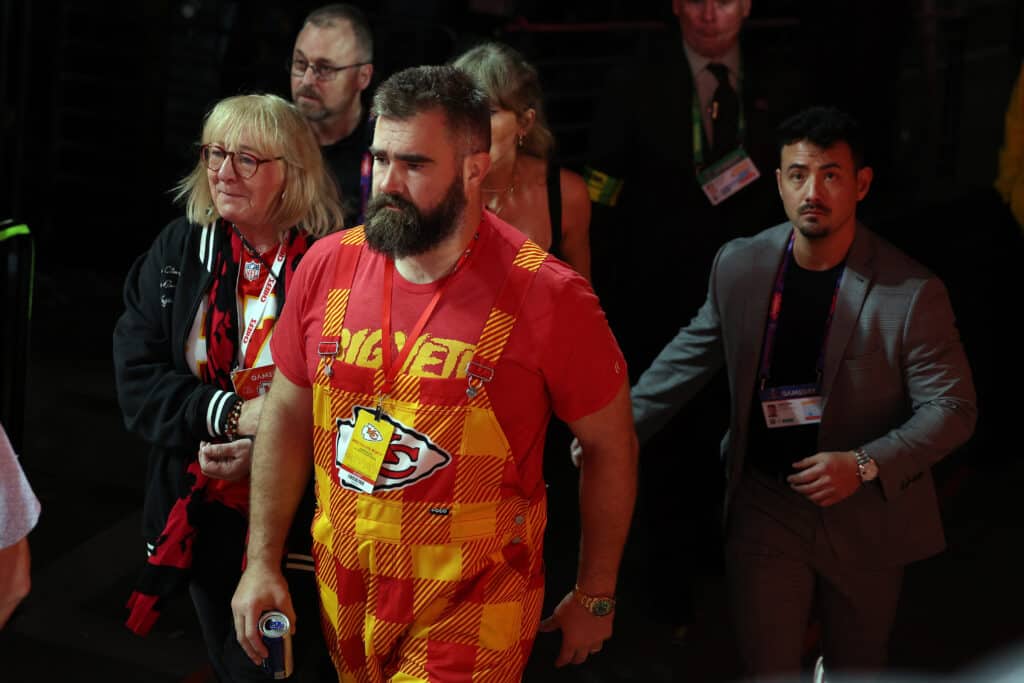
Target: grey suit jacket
[896,382]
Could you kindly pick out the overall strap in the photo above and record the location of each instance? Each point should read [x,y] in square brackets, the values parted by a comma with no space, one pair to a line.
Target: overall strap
[350,248]
[502,318]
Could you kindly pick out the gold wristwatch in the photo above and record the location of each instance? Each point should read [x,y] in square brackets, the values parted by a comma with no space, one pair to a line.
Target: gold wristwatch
[598,605]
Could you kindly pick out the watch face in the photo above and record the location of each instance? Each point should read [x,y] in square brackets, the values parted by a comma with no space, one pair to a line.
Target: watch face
[602,607]
[868,471]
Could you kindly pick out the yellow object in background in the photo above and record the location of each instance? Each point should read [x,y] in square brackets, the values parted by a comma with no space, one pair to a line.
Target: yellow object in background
[602,188]
[1010,179]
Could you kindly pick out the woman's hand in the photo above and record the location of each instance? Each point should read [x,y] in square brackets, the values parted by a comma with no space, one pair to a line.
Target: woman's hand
[230,461]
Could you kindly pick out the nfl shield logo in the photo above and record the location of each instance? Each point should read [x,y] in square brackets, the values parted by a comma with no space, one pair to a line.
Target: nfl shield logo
[252,271]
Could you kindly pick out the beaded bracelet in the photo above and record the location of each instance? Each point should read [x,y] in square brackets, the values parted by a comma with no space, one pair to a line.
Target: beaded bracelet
[231,426]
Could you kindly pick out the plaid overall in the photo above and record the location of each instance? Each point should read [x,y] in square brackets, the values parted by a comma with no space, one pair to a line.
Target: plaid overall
[435,578]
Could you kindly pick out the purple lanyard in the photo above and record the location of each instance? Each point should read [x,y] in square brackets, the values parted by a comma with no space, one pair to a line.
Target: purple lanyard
[773,319]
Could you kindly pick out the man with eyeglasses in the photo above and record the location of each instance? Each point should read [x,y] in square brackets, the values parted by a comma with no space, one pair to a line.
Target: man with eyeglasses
[331,66]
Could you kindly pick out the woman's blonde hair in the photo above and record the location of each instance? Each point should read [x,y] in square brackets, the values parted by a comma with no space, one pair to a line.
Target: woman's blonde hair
[274,128]
[511,83]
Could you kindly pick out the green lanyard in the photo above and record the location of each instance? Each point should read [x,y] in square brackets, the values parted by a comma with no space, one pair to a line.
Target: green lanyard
[698,125]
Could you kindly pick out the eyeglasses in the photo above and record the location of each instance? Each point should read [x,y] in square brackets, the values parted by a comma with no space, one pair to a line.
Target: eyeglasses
[322,72]
[245,164]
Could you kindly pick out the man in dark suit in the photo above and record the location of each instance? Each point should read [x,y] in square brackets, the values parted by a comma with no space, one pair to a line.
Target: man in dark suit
[653,141]
[697,109]
[848,381]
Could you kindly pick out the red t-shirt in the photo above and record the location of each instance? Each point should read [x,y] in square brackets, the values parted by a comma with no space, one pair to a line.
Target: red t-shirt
[561,355]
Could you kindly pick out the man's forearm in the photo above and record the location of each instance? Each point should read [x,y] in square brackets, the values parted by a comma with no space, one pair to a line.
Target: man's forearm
[680,370]
[282,462]
[607,495]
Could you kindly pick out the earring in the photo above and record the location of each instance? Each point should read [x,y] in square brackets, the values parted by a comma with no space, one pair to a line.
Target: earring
[520,140]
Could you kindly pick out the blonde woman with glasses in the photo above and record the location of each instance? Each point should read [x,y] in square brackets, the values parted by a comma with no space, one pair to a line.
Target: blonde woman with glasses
[192,360]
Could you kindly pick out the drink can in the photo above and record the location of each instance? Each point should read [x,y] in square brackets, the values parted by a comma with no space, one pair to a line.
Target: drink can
[276,631]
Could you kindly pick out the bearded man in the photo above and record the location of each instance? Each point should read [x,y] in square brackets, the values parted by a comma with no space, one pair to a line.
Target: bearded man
[848,382]
[418,368]
[331,67]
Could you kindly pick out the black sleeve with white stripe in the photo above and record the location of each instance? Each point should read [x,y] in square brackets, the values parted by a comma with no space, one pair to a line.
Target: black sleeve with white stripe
[161,400]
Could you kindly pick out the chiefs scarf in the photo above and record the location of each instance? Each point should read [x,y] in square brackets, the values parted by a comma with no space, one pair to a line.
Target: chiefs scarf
[167,568]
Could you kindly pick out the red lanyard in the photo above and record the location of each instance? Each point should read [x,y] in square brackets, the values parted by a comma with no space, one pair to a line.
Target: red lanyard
[268,288]
[391,369]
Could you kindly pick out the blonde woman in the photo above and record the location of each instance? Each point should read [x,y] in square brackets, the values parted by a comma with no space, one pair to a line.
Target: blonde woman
[200,306]
[524,187]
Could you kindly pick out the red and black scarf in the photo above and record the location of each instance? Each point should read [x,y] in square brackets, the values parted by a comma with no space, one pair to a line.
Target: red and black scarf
[168,565]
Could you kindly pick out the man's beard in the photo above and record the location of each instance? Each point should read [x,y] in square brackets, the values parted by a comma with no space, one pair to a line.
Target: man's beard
[813,231]
[820,228]
[313,112]
[394,226]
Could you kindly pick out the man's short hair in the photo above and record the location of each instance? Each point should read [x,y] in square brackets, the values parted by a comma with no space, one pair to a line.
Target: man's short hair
[420,89]
[330,15]
[823,127]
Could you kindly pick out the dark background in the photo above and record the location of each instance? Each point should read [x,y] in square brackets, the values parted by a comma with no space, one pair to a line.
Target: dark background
[102,101]
[100,106]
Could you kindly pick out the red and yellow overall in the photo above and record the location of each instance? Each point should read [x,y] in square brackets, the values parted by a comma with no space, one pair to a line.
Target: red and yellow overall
[436,575]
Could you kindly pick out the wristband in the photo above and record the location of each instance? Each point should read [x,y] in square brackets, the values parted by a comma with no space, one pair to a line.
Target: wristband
[231,425]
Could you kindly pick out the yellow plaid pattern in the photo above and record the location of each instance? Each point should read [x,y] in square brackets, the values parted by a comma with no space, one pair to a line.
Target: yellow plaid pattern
[441,578]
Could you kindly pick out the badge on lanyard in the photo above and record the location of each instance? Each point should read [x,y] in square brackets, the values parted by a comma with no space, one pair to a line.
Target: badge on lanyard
[250,383]
[727,176]
[791,406]
[364,454]
[797,404]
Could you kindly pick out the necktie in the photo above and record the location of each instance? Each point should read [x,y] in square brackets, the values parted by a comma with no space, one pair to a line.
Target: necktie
[725,113]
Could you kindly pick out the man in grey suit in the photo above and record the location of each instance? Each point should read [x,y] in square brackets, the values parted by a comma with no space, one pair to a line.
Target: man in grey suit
[847,382]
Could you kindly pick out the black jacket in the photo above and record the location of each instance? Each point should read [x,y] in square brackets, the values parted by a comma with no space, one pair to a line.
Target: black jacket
[161,399]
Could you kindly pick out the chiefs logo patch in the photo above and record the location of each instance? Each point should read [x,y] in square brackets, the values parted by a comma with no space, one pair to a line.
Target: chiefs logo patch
[371,433]
[411,456]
